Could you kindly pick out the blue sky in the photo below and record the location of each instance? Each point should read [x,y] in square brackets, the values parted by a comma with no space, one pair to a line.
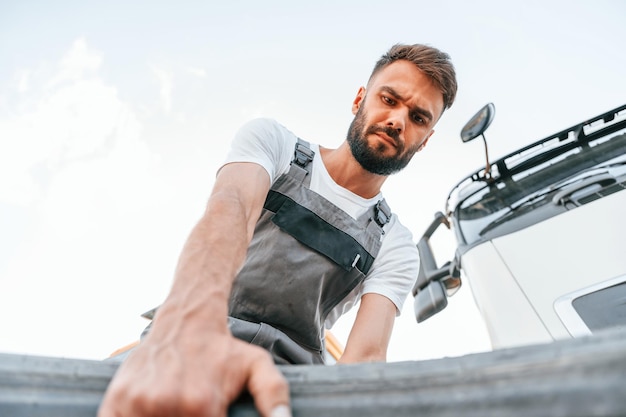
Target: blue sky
[115,116]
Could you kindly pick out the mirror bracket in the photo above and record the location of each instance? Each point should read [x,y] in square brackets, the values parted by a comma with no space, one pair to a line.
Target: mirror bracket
[476,127]
[434,284]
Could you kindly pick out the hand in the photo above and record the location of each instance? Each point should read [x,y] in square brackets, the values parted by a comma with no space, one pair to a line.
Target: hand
[194,376]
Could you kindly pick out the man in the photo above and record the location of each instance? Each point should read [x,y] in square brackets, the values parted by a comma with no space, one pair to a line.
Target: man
[190,364]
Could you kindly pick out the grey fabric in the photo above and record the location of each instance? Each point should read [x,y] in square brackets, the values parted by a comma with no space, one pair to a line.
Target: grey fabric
[284,350]
[292,278]
[290,282]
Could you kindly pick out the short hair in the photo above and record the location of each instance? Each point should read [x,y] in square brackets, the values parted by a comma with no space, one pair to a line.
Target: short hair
[431,61]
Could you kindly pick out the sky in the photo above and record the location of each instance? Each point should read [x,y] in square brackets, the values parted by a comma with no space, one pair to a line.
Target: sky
[114,118]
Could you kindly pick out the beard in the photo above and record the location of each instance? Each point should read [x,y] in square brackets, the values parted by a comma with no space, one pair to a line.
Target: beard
[372,158]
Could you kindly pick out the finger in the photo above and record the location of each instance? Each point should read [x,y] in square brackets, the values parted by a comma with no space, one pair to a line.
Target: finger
[269,388]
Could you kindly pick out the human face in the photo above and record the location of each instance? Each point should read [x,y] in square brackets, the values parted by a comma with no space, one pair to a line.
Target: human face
[394,118]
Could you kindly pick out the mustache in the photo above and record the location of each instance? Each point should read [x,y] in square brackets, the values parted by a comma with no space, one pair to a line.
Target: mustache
[387,130]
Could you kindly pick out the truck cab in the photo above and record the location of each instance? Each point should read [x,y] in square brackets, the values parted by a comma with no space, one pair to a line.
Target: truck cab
[540,235]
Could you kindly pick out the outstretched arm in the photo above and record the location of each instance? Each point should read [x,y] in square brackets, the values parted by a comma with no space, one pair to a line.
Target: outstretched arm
[189,364]
[371,331]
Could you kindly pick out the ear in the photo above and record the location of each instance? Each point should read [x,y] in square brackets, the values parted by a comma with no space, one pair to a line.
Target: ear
[358,100]
[425,141]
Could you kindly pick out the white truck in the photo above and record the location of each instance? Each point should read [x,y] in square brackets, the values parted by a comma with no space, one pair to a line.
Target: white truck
[540,234]
[541,238]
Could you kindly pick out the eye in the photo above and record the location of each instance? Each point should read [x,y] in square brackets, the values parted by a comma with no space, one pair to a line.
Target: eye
[388,100]
[419,119]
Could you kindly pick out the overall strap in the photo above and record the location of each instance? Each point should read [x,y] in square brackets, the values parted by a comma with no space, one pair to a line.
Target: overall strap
[300,169]
[300,165]
[378,216]
[382,213]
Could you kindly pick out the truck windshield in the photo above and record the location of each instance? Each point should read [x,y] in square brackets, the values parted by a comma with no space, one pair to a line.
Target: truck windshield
[543,180]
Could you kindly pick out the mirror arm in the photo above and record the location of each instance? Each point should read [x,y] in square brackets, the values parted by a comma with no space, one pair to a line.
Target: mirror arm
[488,164]
[428,267]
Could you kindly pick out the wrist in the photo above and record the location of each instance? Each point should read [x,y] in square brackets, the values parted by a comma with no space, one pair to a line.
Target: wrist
[207,313]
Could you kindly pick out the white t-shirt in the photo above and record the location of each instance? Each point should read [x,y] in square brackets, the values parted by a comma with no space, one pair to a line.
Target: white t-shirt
[394,271]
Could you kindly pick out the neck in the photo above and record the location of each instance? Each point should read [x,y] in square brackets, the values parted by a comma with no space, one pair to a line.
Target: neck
[348,173]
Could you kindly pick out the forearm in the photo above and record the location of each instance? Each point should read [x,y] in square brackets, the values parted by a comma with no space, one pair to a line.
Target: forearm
[213,255]
[364,353]
[371,331]
[203,277]
[362,358]
[189,364]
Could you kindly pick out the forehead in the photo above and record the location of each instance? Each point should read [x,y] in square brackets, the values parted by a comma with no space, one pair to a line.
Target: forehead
[408,80]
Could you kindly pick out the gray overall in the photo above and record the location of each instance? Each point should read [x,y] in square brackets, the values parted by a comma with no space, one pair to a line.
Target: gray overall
[306,256]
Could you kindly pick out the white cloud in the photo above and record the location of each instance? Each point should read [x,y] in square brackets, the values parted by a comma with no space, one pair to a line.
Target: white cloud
[165,80]
[73,156]
[23,81]
[76,120]
[78,62]
[198,72]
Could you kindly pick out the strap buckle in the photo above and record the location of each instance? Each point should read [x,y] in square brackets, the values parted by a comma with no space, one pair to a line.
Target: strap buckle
[303,155]
[383,213]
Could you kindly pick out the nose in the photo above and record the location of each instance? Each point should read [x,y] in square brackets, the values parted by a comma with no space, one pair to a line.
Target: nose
[396,121]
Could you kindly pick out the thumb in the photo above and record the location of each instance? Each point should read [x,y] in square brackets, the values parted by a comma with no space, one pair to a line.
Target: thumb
[269,388]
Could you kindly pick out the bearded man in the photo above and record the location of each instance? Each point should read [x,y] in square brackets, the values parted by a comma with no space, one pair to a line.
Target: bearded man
[293,236]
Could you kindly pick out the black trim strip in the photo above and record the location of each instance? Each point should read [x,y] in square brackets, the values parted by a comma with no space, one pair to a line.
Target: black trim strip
[313,231]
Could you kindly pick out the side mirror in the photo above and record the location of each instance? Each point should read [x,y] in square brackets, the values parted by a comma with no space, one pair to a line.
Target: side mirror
[476,127]
[429,301]
[433,284]
[478,124]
